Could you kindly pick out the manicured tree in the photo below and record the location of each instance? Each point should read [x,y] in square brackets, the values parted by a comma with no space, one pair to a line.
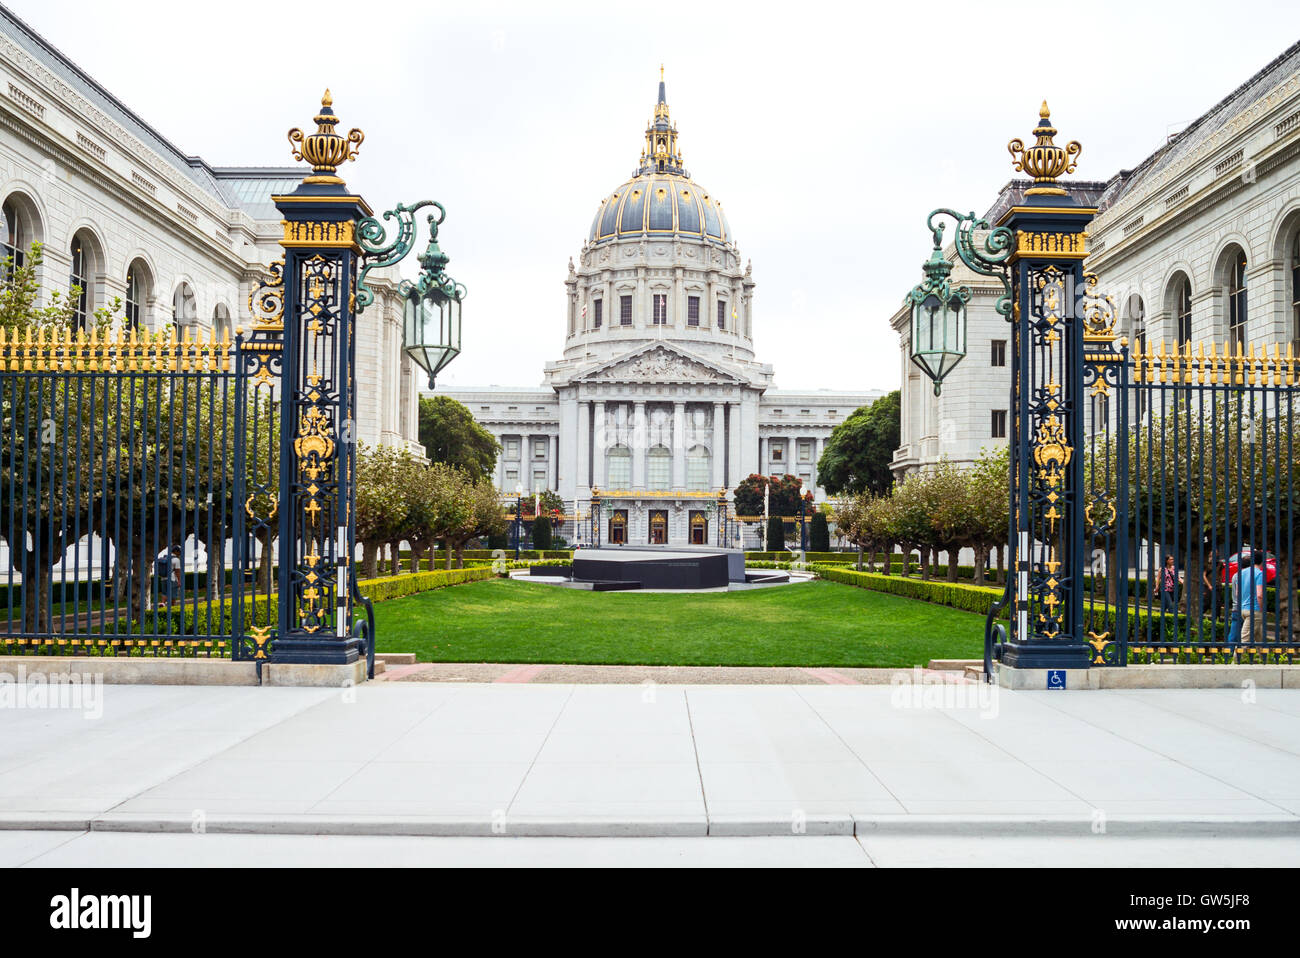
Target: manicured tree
[947,492]
[988,498]
[775,534]
[819,539]
[380,502]
[911,521]
[542,533]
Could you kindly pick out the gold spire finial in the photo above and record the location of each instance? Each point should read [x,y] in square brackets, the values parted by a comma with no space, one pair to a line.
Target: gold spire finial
[661,71]
[1045,161]
[325,149]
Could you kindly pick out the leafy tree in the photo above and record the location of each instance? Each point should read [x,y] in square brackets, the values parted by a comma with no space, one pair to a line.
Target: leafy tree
[451,435]
[784,500]
[859,452]
[380,501]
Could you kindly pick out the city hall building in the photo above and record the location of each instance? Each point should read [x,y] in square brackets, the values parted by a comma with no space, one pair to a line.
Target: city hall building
[126,215]
[659,404]
[1199,242]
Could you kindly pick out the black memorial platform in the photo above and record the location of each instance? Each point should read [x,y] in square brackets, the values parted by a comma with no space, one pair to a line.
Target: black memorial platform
[657,569]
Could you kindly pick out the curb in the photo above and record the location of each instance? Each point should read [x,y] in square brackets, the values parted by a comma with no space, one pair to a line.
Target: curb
[846,825]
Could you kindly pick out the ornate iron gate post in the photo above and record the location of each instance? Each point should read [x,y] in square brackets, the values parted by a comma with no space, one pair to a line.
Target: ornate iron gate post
[317,442]
[1047,487]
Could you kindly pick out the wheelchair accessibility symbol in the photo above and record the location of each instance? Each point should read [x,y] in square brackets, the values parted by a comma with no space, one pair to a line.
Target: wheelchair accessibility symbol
[1056,679]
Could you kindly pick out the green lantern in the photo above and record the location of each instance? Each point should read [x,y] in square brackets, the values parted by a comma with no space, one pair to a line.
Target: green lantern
[431,328]
[431,319]
[938,319]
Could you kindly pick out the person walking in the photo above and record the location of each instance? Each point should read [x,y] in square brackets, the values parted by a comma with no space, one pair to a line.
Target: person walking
[1250,599]
[1169,587]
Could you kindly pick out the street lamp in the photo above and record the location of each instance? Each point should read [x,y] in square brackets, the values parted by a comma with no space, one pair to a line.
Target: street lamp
[431,312]
[939,308]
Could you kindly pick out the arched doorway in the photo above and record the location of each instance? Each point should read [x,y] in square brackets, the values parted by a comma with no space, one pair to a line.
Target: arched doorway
[659,527]
[618,528]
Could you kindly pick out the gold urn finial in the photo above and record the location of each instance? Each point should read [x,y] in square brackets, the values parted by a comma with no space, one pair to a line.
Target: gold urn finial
[1045,161]
[325,149]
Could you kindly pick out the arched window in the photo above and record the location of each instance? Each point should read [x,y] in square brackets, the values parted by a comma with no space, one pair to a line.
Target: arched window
[1237,300]
[184,308]
[1135,320]
[619,468]
[698,469]
[80,279]
[221,323]
[134,296]
[15,243]
[1295,294]
[659,469]
[1183,311]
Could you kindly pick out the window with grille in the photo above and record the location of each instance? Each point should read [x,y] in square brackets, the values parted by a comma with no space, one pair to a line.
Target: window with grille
[1185,313]
[659,469]
[1237,302]
[698,466]
[1295,293]
[619,468]
[625,311]
[78,279]
[14,241]
[693,311]
[133,296]
[661,309]
[722,314]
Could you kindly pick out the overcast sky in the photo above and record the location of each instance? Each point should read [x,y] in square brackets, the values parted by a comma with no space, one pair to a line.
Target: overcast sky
[828,131]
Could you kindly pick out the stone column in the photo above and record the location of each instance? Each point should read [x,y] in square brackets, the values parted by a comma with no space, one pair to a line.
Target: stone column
[734,475]
[598,428]
[553,464]
[639,445]
[679,445]
[719,450]
[582,455]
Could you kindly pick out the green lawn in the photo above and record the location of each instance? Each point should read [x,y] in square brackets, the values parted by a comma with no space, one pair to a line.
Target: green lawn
[814,625]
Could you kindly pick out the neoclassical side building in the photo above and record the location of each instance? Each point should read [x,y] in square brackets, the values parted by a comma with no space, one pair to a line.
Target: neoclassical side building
[124,214]
[1198,242]
[659,403]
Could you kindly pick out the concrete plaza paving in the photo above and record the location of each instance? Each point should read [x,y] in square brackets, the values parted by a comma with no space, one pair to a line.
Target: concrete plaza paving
[879,763]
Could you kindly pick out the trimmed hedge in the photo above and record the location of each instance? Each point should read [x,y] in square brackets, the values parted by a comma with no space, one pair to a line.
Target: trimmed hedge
[955,595]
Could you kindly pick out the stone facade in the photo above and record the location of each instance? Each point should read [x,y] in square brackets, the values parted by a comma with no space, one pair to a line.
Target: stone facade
[1198,242]
[132,218]
[658,403]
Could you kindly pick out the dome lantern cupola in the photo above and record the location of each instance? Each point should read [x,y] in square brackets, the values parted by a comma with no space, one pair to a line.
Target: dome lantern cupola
[661,154]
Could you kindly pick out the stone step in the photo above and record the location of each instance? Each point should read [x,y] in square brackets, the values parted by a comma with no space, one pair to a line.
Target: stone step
[954,665]
[975,672]
[395,658]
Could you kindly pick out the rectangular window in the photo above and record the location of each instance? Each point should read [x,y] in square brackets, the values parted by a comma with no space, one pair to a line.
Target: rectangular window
[722,314]
[661,309]
[539,449]
[625,310]
[620,471]
[999,424]
[805,452]
[778,452]
[539,480]
[693,311]
[999,352]
[512,479]
[599,313]
[512,448]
